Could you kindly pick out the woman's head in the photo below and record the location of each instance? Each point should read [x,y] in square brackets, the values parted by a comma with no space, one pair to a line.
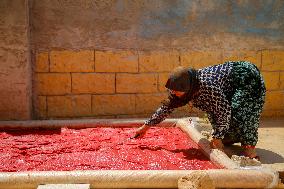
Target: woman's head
[179,80]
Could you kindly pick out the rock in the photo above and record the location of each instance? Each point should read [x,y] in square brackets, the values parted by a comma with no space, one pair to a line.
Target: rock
[196,180]
[245,161]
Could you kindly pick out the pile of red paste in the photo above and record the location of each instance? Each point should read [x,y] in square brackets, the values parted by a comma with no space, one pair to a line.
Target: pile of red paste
[99,149]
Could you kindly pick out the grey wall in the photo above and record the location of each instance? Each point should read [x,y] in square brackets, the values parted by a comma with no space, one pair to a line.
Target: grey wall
[15,69]
[157,24]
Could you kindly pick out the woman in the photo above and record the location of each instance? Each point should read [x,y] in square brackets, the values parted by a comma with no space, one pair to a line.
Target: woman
[232,94]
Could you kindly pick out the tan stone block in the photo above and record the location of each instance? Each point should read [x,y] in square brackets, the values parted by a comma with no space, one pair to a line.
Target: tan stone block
[187,111]
[41,107]
[230,56]
[196,113]
[197,59]
[281,80]
[142,116]
[148,103]
[119,61]
[136,83]
[273,60]
[274,100]
[163,78]
[113,104]
[104,117]
[181,111]
[95,83]
[72,61]
[42,62]
[272,113]
[271,80]
[158,61]
[53,83]
[69,106]
[250,56]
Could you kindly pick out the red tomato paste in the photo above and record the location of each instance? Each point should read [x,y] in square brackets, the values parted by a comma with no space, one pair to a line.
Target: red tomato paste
[99,149]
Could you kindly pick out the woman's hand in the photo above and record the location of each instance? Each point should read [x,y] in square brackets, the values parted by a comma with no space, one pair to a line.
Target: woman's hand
[140,132]
[217,144]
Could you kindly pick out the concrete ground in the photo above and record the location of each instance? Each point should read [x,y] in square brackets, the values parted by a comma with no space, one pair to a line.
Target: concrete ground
[270,147]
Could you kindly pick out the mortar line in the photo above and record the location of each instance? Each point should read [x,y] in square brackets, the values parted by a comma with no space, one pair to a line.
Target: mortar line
[71,82]
[138,56]
[46,106]
[179,58]
[261,60]
[279,81]
[115,80]
[91,104]
[158,83]
[134,73]
[94,60]
[34,89]
[48,59]
[135,103]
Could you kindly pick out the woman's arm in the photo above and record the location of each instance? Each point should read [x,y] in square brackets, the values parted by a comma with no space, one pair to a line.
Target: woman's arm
[166,109]
[161,113]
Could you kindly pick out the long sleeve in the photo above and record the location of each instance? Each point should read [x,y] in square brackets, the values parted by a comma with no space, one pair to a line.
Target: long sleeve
[166,109]
[160,115]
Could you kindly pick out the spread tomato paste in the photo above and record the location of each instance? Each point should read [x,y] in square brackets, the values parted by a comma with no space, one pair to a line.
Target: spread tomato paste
[99,149]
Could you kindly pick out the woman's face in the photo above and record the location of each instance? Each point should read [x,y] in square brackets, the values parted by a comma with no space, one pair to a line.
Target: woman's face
[177,93]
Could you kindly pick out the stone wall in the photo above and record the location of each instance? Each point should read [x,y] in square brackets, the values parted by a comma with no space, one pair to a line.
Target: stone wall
[273,71]
[119,84]
[111,58]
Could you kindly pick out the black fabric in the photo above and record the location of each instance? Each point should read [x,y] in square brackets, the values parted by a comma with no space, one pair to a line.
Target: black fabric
[184,80]
[194,84]
[179,80]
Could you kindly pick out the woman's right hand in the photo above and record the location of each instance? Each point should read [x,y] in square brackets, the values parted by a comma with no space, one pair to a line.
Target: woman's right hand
[141,131]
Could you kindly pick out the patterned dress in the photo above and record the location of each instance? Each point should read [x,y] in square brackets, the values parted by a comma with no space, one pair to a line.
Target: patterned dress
[232,94]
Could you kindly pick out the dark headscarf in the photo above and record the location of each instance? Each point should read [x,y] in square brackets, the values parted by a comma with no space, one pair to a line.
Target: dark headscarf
[184,80]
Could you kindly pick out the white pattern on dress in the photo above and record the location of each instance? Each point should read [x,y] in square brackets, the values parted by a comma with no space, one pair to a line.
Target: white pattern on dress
[215,92]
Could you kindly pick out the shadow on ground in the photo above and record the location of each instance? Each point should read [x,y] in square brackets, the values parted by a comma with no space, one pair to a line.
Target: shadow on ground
[269,157]
[266,156]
